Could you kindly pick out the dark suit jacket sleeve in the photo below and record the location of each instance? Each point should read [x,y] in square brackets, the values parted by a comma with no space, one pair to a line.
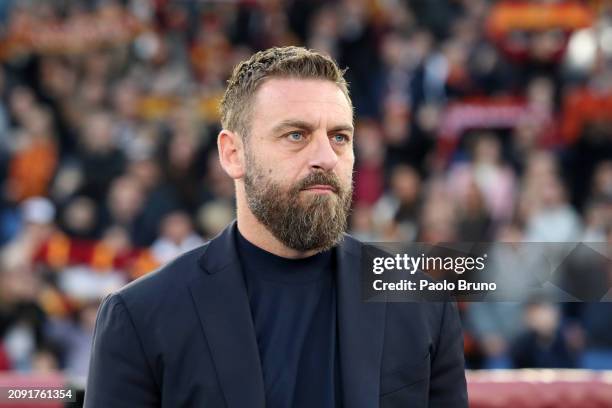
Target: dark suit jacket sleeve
[448,386]
[119,374]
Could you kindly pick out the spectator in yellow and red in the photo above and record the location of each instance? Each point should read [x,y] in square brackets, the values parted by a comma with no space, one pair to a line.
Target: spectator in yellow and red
[34,158]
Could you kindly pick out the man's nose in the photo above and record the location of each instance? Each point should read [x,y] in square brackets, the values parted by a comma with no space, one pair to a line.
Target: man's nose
[323,156]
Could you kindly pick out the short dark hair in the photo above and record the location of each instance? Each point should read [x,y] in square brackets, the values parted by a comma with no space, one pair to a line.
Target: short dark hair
[283,62]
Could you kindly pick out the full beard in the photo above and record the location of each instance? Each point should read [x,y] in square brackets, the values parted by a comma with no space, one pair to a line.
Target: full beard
[301,221]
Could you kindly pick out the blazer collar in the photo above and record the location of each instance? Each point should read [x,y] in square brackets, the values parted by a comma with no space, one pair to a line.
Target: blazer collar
[222,304]
[361,331]
[223,308]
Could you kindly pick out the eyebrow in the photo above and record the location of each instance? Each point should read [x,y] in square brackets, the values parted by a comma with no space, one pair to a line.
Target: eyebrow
[300,124]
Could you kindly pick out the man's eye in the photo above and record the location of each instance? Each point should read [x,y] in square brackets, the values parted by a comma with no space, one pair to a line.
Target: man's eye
[340,138]
[295,136]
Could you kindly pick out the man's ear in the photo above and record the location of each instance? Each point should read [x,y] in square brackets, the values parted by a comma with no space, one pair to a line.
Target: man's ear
[231,153]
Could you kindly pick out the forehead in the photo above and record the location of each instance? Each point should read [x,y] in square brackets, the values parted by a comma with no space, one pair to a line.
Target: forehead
[312,100]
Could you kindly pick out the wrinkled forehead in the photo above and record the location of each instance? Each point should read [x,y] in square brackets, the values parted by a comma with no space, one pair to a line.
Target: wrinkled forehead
[317,101]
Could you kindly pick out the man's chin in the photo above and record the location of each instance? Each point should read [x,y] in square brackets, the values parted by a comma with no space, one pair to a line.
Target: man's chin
[310,201]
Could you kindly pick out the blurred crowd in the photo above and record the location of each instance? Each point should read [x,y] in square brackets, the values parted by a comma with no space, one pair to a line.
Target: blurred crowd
[476,120]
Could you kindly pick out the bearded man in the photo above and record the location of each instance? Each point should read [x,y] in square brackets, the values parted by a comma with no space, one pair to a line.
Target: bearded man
[269,313]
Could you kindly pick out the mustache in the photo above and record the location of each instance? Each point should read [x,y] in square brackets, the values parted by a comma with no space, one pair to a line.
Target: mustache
[320,178]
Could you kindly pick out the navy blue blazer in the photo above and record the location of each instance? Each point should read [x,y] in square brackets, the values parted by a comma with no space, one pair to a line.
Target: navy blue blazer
[183,337]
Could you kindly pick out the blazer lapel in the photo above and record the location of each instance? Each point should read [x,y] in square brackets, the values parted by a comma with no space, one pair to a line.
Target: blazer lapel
[222,304]
[361,329]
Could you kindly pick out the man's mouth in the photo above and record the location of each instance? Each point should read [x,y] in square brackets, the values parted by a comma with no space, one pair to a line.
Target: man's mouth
[321,189]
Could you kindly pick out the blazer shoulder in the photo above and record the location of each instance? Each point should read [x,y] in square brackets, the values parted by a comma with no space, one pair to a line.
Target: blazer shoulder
[164,280]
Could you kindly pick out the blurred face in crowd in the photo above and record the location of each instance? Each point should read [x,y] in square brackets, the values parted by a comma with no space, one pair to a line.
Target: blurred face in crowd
[98,135]
[125,199]
[405,183]
[22,101]
[552,192]
[487,149]
[39,123]
[176,227]
[602,179]
[299,161]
